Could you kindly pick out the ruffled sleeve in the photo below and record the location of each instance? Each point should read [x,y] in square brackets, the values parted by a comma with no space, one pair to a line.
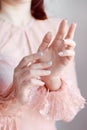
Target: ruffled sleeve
[10,112]
[62,104]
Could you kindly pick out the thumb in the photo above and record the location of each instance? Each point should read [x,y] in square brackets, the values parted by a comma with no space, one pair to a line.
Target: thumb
[46,41]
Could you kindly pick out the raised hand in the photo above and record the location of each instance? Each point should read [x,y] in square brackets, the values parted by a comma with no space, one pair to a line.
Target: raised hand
[61,50]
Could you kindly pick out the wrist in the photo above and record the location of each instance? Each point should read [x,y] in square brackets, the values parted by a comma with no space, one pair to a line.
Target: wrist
[53,83]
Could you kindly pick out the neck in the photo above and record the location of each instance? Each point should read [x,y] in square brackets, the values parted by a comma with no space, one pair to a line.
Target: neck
[19,14]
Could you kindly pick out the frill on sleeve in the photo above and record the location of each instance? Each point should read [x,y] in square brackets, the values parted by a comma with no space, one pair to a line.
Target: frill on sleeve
[9,112]
[8,123]
[62,104]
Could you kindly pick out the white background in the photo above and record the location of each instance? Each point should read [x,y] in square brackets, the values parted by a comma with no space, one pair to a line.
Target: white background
[74,10]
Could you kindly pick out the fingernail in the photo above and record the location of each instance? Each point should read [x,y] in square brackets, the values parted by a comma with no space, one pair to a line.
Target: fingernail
[75,24]
[49,62]
[69,41]
[60,53]
[49,34]
[48,72]
[40,53]
[42,83]
[65,20]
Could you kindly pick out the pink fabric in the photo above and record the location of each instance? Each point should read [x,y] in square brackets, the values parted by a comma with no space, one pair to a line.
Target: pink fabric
[44,107]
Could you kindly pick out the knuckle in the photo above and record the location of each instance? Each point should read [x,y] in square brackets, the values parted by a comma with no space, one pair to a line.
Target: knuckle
[46,40]
[69,35]
[61,32]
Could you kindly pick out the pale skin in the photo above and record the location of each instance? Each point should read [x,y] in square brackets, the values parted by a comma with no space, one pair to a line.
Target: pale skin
[60,52]
[29,75]
[46,65]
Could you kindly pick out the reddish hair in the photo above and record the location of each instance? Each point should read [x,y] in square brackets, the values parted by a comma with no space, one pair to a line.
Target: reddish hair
[37,9]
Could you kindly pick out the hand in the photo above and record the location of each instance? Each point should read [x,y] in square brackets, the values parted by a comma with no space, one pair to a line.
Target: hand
[60,51]
[27,74]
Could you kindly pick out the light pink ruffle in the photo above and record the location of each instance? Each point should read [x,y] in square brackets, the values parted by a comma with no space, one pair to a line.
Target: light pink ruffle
[8,123]
[9,117]
[63,104]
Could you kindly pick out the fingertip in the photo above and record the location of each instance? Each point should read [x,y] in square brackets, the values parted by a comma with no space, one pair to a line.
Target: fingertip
[65,21]
[74,25]
[49,35]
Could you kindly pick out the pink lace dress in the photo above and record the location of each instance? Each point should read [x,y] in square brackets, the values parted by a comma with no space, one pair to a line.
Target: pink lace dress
[44,107]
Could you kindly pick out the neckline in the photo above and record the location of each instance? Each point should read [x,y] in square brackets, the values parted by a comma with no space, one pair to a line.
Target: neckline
[24,27]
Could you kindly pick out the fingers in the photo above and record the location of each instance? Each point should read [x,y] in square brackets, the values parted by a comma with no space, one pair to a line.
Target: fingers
[28,59]
[34,71]
[35,66]
[45,43]
[65,35]
[71,31]
[40,72]
[69,44]
[62,30]
[64,53]
[41,65]
[33,82]
[36,82]
[29,74]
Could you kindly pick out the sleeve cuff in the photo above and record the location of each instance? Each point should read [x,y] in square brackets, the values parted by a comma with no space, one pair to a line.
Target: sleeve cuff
[62,104]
